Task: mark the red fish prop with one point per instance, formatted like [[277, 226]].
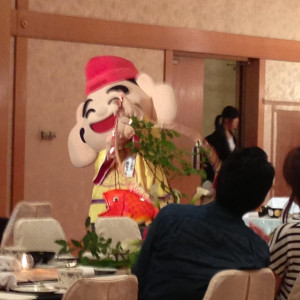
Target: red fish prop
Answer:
[[129, 204]]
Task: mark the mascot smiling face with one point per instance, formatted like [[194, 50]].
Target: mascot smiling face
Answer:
[[115, 89], [99, 112]]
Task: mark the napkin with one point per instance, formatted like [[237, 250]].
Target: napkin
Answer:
[[87, 271], [8, 280], [9, 263]]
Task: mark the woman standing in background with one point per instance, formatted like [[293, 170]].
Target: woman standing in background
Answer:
[[223, 139]]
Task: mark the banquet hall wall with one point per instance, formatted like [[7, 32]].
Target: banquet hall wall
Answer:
[[53, 92]]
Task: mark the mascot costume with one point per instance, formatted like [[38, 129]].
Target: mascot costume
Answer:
[[116, 92]]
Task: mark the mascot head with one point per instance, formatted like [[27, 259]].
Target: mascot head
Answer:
[[108, 80]]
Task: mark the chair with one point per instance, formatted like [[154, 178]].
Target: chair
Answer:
[[295, 292], [117, 228], [119, 287], [24, 209], [38, 234], [241, 285]]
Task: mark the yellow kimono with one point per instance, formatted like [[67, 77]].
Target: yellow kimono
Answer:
[[113, 179]]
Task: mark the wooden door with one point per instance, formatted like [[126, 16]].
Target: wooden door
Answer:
[[288, 128], [186, 75]]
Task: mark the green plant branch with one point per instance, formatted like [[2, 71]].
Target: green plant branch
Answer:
[[101, 249], [161, 152], [168, 190]]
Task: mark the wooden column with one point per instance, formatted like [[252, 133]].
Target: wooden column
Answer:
[[5, 112], [253, 109], [19, 124]]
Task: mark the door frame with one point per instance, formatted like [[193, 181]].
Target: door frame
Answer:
[[250, 92]]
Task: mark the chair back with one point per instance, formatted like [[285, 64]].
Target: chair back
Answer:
[[24, 209], [119, 287], [38, 234], [117, 228], [261, 284], [241, 285], [295, 292]]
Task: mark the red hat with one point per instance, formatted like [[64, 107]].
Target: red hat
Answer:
[[102, 70]]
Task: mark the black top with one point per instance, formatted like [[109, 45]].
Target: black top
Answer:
[[186, 245], [219, 141]]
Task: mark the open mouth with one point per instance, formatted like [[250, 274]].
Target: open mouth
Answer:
[[104, 125]]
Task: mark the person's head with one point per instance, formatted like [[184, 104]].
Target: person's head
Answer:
[[244, 180], [229, 118], [291, 174]]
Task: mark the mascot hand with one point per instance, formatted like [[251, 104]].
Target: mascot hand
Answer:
[[163, 98], [80, 153], [123, 133], [130, 110]]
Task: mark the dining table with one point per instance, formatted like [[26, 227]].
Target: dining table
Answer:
[[266, 223], [36, 283], [41, 282]]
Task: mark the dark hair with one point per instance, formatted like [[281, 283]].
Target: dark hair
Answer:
[[244, 180], [229, 112], [291, 174]]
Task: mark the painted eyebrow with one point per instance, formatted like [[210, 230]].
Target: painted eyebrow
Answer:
[[122, 88], [84, 109]]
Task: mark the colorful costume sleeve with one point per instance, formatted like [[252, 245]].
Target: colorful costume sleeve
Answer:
[[212, 156], [210, 153]]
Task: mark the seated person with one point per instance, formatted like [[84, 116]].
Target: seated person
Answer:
[[285, 243], [187, 245]]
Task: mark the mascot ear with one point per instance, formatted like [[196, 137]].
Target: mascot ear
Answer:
[[163, 98], [80, 153]]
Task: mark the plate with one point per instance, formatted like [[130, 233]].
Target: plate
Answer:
[[104, 271], [57, 286], [34, 289], [65, 257]]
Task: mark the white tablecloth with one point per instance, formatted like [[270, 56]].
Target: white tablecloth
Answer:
[[16, 296], [266, 223]]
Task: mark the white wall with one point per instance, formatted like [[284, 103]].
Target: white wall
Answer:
[[219, 90]]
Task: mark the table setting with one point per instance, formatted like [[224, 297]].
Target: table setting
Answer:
[[23, 276], [30, 275], [27, 276], [41, 263], [269, 216]]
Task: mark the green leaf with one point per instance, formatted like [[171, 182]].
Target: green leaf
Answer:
[[63, 251], [61, 242], [76, 243], [176, 133], [87, 222], [85, 260]]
